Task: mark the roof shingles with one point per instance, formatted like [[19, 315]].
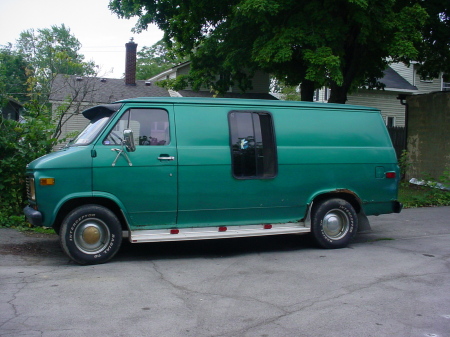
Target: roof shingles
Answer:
[[98, 90]]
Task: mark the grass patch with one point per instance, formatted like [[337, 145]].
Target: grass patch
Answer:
[[422, 196], [40, 230]]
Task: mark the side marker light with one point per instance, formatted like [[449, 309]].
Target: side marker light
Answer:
[[47, 181]]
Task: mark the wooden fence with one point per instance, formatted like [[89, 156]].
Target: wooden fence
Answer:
[[398, 137]]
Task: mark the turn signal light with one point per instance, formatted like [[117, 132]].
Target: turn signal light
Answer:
[[390, 175], [47, 181]]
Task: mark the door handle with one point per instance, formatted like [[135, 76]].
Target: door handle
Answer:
[[165, 157]]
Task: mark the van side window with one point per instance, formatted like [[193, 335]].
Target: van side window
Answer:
[[252, 141], [150, 127]]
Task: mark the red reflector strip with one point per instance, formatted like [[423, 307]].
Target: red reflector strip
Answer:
[[267, 226], [222, 229], [390, 175], [174, 231]]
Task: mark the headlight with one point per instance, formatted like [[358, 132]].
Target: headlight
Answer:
[[31, 190]]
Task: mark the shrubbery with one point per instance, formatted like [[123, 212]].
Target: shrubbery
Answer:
[[430, 193], [20, 143]]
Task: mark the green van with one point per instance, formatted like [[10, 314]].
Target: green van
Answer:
[[170, 169]]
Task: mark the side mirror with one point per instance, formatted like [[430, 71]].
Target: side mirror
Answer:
[[128, 140]]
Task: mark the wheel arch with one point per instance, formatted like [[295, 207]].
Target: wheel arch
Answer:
[[73, 203], [347, 195]]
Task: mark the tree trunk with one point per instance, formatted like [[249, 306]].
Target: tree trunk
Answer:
[[307, 90], [338, 94]]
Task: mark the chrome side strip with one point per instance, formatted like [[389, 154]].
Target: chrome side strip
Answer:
[[205, 233]]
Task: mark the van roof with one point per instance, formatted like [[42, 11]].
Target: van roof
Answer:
[[245, 102]]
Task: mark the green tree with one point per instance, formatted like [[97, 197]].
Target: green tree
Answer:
[[49, 52], [154, 60], [342, 44], [53, 51], [434, 49], [20, 143], [14, 72]]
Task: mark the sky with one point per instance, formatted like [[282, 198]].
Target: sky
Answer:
[[102, 34]]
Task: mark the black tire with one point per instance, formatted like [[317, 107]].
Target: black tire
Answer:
[[334, 223], [90, 234]]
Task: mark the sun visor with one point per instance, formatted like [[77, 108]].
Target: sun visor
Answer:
[[99, 111]]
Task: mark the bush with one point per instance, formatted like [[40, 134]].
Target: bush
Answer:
[[431, 193], [20, 143]]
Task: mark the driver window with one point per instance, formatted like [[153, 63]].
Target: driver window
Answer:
[[150, 127]]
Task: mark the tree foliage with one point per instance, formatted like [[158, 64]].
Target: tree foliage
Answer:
[[20, 143], [341, 44], [14, 71], [154, 60], [49, 52], [434, 50], [53, 51]]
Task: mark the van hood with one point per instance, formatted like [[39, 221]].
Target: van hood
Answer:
[[72, 157]]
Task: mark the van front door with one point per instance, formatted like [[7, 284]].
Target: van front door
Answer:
[[143, 182]]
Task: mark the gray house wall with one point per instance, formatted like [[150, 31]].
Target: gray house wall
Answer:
[[410, 74], [386, 101]]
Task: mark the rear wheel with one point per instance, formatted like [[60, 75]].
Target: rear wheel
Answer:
[[334, 223], [91, 234]]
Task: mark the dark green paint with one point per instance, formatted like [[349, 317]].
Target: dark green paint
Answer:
[[321, 148]]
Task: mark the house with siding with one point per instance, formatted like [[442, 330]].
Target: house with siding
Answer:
[[73, 94], [399, 79]]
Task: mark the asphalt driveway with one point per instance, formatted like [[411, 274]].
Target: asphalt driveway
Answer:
[[392, 281]]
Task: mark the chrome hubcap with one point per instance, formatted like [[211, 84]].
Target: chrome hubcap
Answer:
[[91, 236], [336, 224]]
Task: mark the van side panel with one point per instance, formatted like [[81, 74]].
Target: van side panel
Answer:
[[320, 150], [338, 150], [208, 192]]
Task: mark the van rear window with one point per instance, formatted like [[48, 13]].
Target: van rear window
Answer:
[[252, 142]]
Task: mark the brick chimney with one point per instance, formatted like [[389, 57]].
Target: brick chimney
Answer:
[[130, 63]]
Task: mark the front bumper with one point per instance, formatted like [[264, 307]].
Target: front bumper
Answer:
[[33, 217]]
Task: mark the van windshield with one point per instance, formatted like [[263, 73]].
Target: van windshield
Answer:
[[90, 132]]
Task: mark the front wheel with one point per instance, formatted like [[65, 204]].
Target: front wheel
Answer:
[[91, 234], [334, 223]]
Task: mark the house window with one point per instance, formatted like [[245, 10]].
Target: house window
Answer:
[[390, 121], [252, 143]]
